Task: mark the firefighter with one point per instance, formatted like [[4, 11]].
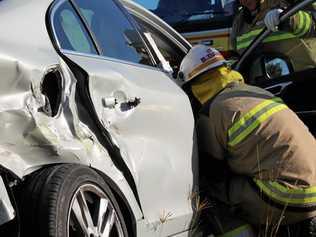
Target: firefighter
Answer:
[[295, 36], [270, 152]]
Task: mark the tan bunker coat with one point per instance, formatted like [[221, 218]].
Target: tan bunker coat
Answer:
[[269, 149]]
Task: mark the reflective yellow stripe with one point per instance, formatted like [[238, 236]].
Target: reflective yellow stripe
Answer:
[[282, 188], [242, 231], [304, 23], [286, 195], [243, 45], [252, 112], [243, 42], [301, 22], [256, 123], [250, 34], [252, 119], [279, 36], [307, 25]]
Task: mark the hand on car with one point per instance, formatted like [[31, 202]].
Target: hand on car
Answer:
[[272, 19]]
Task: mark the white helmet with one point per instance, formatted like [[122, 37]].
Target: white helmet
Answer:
[[199, 59]]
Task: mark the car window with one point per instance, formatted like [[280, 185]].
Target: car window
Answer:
[[170, 51], [115, 35], [69, 30]]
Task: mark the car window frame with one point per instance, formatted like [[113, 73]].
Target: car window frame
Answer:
[[168, 39], [143, 15], [157, 25], [52, 30], [56, 42], [159, 29]]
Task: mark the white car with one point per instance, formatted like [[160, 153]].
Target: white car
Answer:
[[97, 136], [97, 139]]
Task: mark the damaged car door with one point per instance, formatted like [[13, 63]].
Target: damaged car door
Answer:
[[148, 117]]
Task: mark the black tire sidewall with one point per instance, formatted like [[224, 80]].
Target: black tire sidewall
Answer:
[[67, 180]]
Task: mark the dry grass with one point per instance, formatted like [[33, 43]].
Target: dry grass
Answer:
[[165, 216], [198, 206]]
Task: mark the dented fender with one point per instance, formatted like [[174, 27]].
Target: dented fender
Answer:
[[40, 129]]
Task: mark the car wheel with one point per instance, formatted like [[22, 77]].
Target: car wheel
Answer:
[[69, 201]]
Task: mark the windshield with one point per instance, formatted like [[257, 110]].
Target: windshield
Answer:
[[181, 11]]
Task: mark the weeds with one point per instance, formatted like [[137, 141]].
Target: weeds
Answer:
[[198, 206], [165, 216]]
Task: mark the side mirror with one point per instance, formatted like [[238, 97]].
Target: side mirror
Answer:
[[275, 67], [264, 68]]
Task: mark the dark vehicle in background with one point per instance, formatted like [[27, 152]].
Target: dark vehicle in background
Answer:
[[205, 21]]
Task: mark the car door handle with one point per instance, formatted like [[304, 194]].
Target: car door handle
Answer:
[[130, 103], [133, 102], [111, 102]]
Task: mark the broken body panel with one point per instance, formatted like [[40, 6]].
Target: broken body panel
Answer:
[[155, 139]]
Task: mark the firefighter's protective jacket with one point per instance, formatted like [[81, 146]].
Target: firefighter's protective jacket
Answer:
[[295, 38], [261, 138]]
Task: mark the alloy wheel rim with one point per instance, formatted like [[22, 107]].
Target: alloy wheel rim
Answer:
[[91, 214]]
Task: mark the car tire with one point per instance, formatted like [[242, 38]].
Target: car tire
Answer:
[[69, 201]]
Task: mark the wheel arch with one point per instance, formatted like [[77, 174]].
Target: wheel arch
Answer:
[[24, 166], [125, 208]]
